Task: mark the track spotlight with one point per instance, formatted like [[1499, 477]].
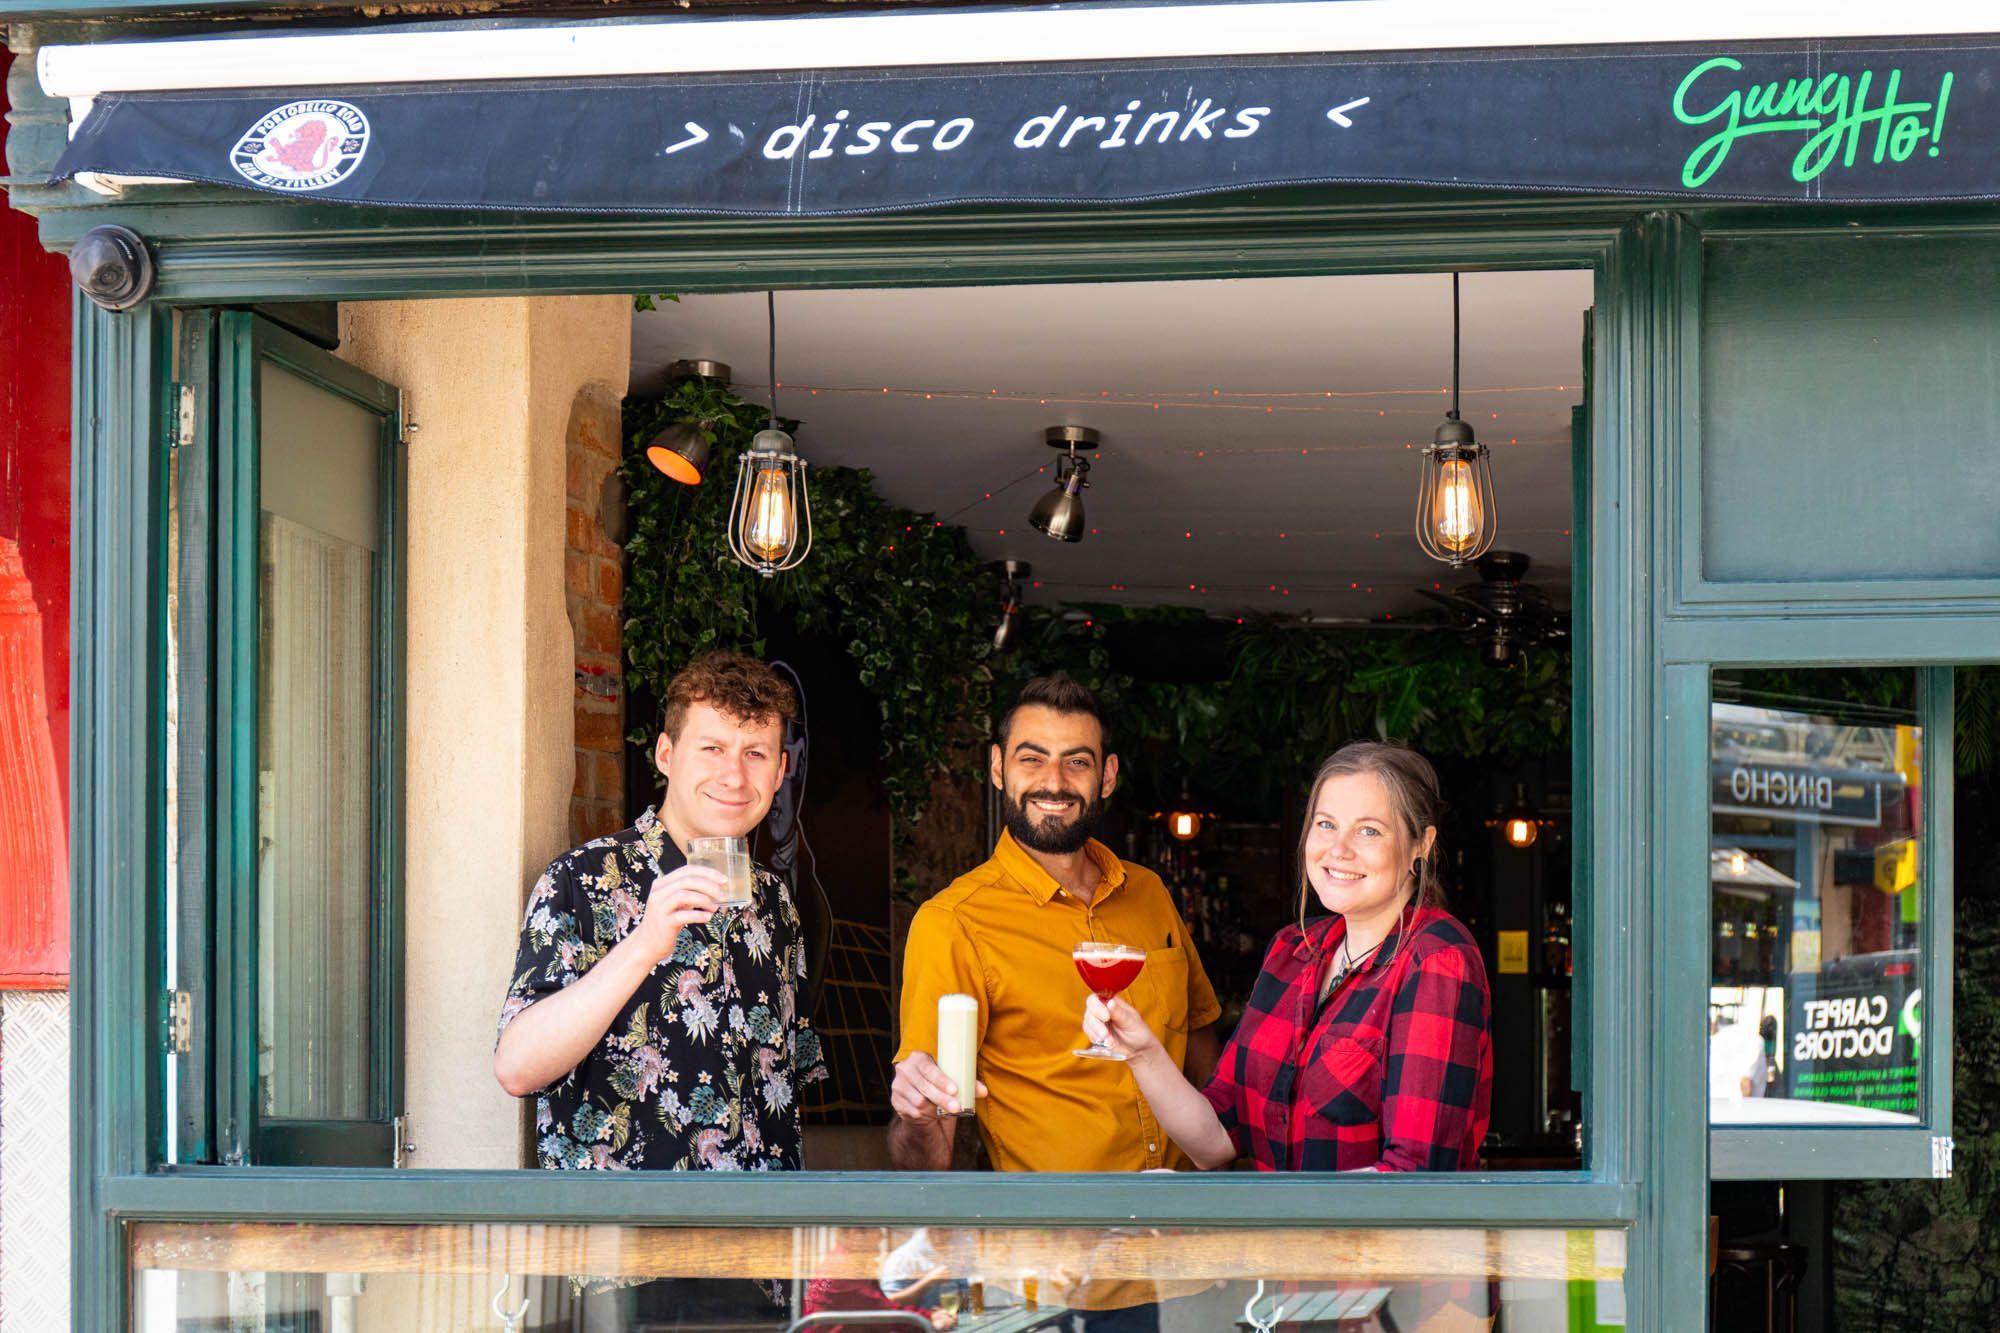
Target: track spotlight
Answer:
[[1060, 512], [1008, 628], [681, 450]]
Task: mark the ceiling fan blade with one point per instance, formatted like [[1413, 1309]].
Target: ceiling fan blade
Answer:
[[1502, 567], [1459, 605]]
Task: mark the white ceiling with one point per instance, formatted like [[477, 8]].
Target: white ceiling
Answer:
[[1277, 421]]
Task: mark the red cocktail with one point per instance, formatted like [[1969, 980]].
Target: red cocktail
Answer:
[[1108, 974], [1107, 969]]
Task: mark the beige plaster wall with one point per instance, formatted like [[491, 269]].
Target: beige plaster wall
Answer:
[[490, 677]]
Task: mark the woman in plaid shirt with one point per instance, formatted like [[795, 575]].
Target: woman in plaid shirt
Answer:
[[1366, 1042]]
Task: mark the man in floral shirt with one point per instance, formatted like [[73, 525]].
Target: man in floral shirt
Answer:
[[657, 1031]]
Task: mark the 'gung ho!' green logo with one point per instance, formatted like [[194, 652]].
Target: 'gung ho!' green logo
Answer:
[[1831, 110]]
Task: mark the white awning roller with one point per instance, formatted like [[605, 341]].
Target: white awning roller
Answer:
[[531, 50]]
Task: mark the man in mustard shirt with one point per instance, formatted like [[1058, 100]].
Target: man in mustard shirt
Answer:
[[1003, 934]]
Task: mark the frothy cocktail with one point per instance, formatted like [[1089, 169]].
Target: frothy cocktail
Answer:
[[1107, 969]]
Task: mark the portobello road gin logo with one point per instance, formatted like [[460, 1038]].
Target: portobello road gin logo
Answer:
[[302, 146], [1833, 111]]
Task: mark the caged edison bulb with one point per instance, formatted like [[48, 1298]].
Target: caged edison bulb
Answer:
[[1456, 512], [770, 525]]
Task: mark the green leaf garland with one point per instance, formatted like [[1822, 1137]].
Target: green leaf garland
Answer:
[[904, 592]]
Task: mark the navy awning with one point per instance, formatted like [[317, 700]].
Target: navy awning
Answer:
[[1801, 122]]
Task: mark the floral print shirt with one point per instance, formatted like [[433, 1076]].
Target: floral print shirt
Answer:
[[701, 1068]]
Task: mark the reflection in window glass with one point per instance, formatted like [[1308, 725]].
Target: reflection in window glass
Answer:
[[1816, 897], [265, 1276]]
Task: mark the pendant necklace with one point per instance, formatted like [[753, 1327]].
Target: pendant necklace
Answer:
[[1346, 963]]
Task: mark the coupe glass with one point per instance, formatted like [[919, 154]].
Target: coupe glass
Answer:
[[1107, 969]]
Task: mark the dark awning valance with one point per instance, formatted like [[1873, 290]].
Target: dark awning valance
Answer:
[[1806, 122]]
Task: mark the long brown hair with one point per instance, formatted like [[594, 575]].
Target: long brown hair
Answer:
[[1412, 785]]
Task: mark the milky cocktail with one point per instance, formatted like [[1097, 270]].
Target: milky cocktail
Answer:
[[1107, 969], [958, 1048]]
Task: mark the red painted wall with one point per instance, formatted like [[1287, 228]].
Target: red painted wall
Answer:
[[34, 602]]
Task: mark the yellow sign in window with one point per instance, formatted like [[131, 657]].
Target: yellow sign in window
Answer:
[[1896, 865]]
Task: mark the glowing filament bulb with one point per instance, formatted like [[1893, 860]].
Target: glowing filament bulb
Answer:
[[1522, 832], [770, 525], [1457, 516]]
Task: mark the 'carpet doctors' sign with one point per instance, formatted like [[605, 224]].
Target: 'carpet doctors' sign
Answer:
[[1854, 1036], [1803, 122]]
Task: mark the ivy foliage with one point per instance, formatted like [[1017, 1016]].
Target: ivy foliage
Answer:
[[1920, 1254], [1976, 701], [902, 592]]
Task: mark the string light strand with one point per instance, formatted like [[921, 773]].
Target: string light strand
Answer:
[[1323, 402]]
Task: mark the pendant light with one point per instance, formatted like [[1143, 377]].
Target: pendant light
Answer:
[[1521, 827], [770, 520], [1008, 628], [681, 450], [1457, 513], [1518, 823], [1184, 822], [1060, 513]]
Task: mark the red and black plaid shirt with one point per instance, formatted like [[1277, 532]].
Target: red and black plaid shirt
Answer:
[[1394, 1071]]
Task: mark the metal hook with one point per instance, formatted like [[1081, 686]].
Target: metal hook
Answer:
[[510, 1322], [1250, 1311]]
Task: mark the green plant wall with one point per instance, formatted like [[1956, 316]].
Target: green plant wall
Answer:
[[902, 592], [1287, 696], [915, 610]]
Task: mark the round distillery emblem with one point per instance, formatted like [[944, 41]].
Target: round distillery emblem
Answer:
[[302, 146]]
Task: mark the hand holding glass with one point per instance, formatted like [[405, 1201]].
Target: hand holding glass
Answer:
[[1107, 969], [730, 857]]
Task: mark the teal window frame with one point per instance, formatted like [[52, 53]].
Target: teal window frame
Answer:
[[1831, 1152], [1647, 1160], [1931, 625], [220, 357], [1694, 592]]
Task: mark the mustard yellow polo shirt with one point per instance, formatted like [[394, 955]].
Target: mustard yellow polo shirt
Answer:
[[1003, 934]]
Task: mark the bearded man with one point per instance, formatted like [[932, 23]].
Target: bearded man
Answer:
[[1003, 935]]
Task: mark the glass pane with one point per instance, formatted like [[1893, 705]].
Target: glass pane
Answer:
[[1817, 891], [259, 1276], [315, 744]]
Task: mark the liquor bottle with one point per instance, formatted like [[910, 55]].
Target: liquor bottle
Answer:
[[1555, 941]]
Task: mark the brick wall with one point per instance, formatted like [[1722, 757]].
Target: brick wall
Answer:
[[951, 837], [948, 841], [595, 575]]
